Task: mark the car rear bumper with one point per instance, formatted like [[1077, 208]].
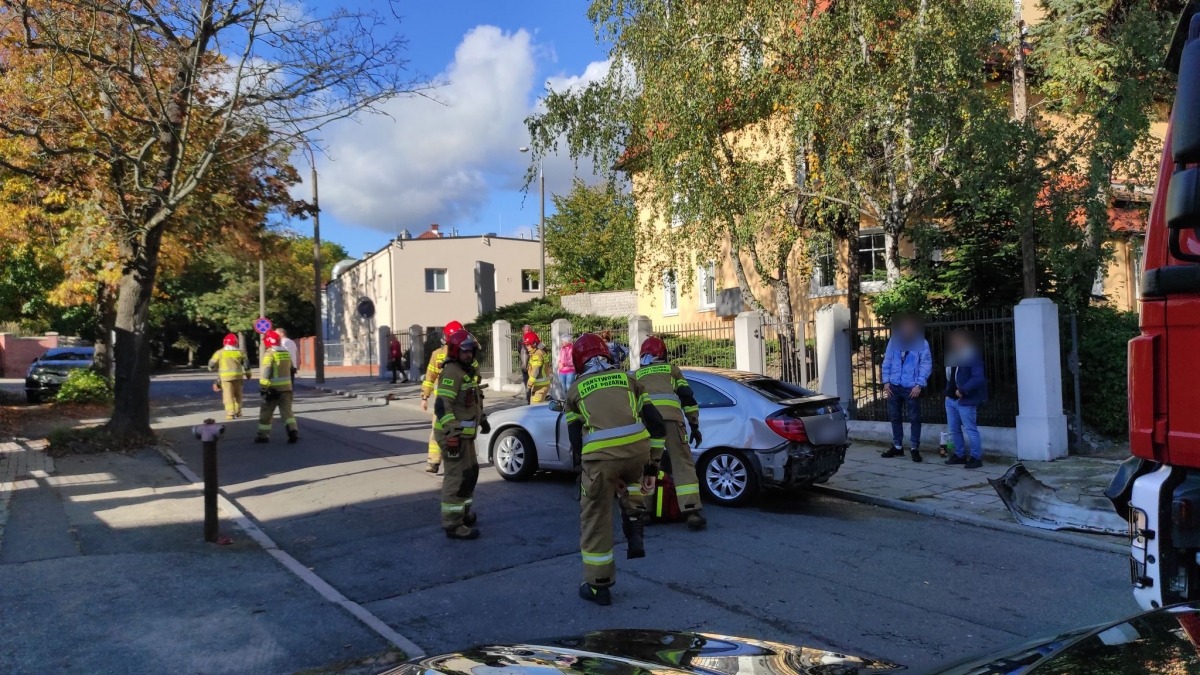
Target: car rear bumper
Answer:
[[800, 464]]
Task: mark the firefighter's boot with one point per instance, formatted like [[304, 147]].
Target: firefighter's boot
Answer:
[[696, 520], [597, 594], [293, 436], [432, 467], [462, 532]]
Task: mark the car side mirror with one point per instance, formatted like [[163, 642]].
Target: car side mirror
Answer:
[[557, 406]]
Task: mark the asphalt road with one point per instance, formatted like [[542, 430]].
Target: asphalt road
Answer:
[[352, 502]]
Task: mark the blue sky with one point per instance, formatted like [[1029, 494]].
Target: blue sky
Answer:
[[455, 162]]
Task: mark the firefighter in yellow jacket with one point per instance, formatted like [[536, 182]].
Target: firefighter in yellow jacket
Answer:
[[538, 371], [671, 394], [429, 385], [458, 412], [610, 423], [230, 364], [275, 378]]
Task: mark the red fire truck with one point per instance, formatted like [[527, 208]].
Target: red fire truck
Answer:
[[1158, 489]]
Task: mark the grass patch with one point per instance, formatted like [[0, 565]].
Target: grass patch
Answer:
[[66, 441], [368, 665]]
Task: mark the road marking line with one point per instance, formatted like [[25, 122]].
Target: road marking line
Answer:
[[309, 577]]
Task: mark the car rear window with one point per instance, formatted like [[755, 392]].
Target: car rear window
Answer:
[[707, 397], [777, 390], [66, 356]]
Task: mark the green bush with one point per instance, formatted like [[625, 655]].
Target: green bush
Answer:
[[1104, 334], [909, 295], [84, 386]]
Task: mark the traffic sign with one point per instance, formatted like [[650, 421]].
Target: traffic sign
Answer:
[[262, 325]]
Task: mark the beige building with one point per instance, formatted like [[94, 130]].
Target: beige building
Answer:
[[428, 281]]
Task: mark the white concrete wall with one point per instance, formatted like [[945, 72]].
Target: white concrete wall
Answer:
[[617, 304]]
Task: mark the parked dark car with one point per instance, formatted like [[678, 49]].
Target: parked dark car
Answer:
[[1162, 641], [50, 370]]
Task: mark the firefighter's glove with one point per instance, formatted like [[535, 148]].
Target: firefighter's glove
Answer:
[[265, 393], [695, 438], [453, 447], [484, 425]]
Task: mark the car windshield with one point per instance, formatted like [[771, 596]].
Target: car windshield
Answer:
[[776, 390], [66, 356]]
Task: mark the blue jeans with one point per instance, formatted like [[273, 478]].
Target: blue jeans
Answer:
[[567, 380], [897, 403], [961, 420]]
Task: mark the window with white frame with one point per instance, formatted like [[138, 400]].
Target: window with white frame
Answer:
[[531, 281], [436, 281], [824, 260], [706, 281], [670, 293], [872, 257]]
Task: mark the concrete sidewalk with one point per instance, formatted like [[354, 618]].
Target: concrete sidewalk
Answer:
[[964, 495], [106, 570]]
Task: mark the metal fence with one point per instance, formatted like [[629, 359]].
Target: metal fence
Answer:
[[700, 344], [514, 352], [994, 331], [335, 354], [789, 355]]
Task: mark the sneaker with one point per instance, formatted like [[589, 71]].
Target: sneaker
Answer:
[[696, 521], [261, 439], [432, 467], [973, 464], [957, 459], [595, 594], [894, 452], [916, 456], [462, 532]]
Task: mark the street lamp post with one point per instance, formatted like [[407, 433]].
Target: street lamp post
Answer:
[[319, 329], [541, 226]]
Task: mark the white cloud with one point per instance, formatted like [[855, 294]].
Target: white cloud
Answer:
[[439, 161]]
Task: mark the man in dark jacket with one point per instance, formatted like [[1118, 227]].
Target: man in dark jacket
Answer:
[[966, 390]]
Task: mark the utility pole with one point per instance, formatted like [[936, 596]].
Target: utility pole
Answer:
[[1021, 115], [262, 303], [542, 232], [319, 328]]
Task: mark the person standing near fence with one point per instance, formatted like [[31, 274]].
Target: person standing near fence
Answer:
[[523, 357], [396, 359], [538, 375], [907, 364], [619, 353], [966, 390], [293, 352], [566, 365]]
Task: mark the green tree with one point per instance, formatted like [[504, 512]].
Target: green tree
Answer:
[[591, 240]]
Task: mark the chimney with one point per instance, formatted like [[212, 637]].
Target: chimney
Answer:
[[405, 234], [434, 229]]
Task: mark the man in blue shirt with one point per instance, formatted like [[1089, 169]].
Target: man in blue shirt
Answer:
[[906, 368]]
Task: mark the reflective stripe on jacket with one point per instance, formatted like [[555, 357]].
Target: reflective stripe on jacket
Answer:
[[277, 370], [436, 359], [230, 364], [609, 405], [539, 368], [669, 392], [459, 405]]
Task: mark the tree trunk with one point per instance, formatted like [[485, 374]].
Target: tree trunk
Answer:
[[891, 249], [786, 330], [1021, 115], [131, 388], [853, 278], [102, 361]]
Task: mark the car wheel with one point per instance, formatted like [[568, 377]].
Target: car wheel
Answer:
[[728, 478], [514, 455]]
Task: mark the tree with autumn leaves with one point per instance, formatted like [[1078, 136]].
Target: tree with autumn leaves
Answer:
[[139, 111]]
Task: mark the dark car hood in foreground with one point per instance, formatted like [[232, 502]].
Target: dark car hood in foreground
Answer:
[[620, 652]]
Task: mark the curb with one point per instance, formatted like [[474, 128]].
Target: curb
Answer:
[[977, 521]]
